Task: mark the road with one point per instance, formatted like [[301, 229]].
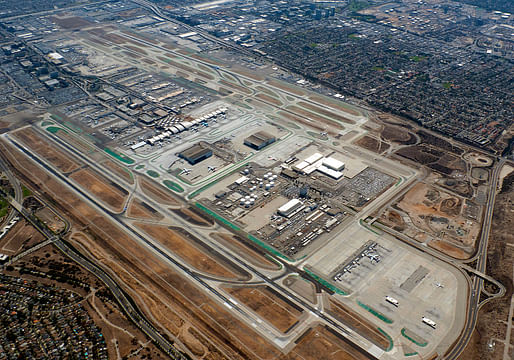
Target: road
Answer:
[[474, 303], [126, 304]]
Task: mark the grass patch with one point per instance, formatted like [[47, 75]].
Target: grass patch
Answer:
[[46, 123], [153, 174], [391, 343], [356, 5], [447, 85], [375, 313], [173, 186], [4, 207], [55, 129], [421, 344], [139, 167], [377, 68], [25, 191], [418, 58], [122, 158]]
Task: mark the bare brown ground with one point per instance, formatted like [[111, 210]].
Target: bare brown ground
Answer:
[[157, 192], [186, 68], [20, 237], [78, 144], [119, 170], [372, 144], [238, 88], [358, 323], [72, 22], [131, 54], [333, 105], [247, 253], [267, 91], [205, 59], [137, 209], [249, 74], [100, 187], [286, 87], [53, 222], [318, 118], [396, 134], [271, 308], [449, 249], [157, 289], [269, 99], [182, 247], [136, 49], [325, 112], [321, 344], [139, 36], [191, 215], [53, 155]]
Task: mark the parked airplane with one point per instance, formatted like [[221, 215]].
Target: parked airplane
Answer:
[[211, 168], [185, 171]]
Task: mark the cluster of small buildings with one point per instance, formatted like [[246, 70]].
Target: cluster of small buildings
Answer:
[[317, 162], [38, 321]]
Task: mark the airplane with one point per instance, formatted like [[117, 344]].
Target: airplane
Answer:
[[439, 285], [211, 168], [323, 133], [185, 171], [375, 258]]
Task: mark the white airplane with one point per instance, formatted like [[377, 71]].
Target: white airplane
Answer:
[[375, 258], [439, 285], [211, 168], [185, 171]]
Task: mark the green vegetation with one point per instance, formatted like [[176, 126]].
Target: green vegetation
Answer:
[[418, 58], [26, 192], [139, 167], [122, 158], [313, 45], [153, 174], [72, 127], [357, 5], [413, 340], [56, 117], [447, 85], [411, 354], [55, 129], [325, 282], [391, 344], [354, 36], [269, 248], [46, 123], [4, 207], [173, 186], [375, 313], [377, 68]]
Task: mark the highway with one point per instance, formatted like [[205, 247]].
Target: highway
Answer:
[[474, 302]]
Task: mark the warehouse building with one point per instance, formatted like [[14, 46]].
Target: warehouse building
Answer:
[[259, 140], [195, 154], [290, 208]]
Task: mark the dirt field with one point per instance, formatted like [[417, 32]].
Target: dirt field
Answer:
[[52, 221], [139, 209], [249, 254], [119, 170], [101, 188], [439, 214], [269, 99], [397, 134], [302, 287], [20, 237], [238, 88], [157, 192], [72, 22], [372, 144], [34, 141], [359, 324], [268, 305], [493, 317], [192, 215], [182, 247], [321, 344], [296, 119]]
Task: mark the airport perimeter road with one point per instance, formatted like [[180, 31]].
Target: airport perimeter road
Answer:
[[116, 290], [18, 193], [474, 303]]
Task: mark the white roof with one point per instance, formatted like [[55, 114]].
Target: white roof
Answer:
[[55, 56], [301, 166], [241, 180], [289, 205], [332, 173], [313, 158], [333, 163]]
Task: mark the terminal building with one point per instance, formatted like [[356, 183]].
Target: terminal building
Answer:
[[259, 140], [195, 154]]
